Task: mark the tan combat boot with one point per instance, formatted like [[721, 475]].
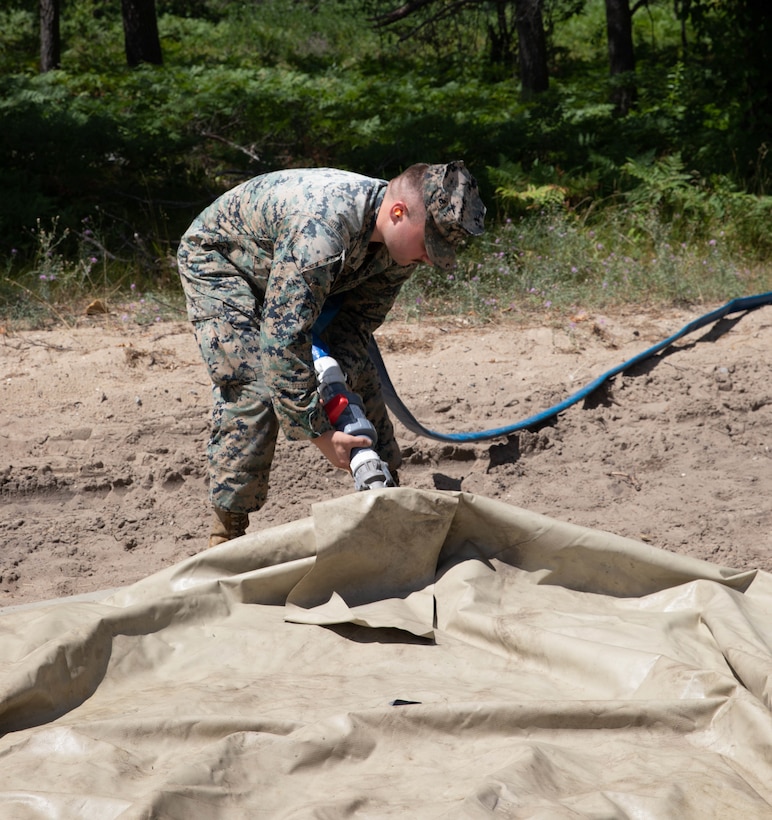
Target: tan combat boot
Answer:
[[226, 525]]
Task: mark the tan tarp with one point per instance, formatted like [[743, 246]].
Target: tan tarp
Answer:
[[397, 654]]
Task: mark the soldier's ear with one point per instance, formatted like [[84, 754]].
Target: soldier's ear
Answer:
[[398, 211]]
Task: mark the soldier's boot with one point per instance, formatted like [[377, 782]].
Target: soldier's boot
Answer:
[[227, 525]]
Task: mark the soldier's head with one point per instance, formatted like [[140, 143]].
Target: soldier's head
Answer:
[[427, 212]]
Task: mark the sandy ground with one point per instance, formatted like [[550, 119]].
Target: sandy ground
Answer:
[[103, 430]]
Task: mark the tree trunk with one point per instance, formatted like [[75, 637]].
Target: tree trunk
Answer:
[[532, 47], [501, 36], [619, 27], [140, 32], [755, 17], [50, 39]]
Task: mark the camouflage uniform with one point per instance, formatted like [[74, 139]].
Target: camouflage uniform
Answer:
[[257, 266]]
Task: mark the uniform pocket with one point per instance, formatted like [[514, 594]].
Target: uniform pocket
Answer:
[[231, 353]]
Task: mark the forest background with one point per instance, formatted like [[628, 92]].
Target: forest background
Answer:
[[622, 148]]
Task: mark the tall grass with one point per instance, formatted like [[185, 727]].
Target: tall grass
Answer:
[[555, 263], [549, 264], [73, 276]]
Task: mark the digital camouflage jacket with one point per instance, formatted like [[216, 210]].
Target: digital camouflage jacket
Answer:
[[270, 252]]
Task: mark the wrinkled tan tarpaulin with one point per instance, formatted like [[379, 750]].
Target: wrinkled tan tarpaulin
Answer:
[[562, 672]]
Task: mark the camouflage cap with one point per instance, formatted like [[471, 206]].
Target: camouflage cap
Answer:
[[454, 211]]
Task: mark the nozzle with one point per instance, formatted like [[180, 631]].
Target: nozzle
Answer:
[[369, 471]]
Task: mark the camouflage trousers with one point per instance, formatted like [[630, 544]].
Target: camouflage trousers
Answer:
[[244, 427]]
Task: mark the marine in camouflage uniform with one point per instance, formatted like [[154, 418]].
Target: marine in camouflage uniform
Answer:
[[257, 267]]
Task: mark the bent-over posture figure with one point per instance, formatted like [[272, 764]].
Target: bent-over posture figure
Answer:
[[257, 267]]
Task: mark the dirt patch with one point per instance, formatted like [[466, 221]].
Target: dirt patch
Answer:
[[103, 430]]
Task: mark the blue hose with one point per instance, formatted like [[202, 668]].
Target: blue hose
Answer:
[[397, 407]]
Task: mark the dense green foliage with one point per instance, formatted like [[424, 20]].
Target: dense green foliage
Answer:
[[102, 166]]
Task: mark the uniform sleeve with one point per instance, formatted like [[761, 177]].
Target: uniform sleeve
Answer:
[[306, 260]]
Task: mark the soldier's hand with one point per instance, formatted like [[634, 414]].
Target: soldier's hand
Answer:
[[337, 446]]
